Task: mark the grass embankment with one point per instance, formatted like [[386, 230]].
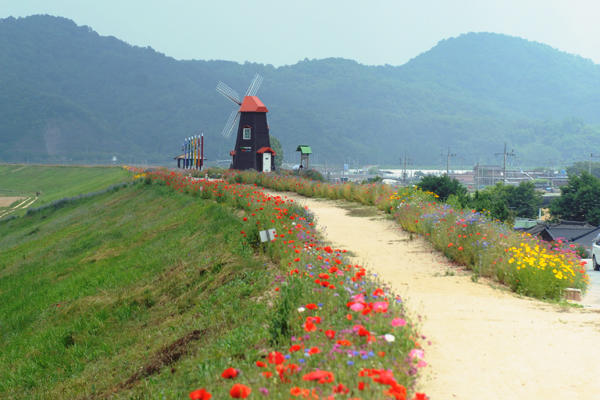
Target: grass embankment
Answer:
[[149, 292], [55, 182], [489, 248]]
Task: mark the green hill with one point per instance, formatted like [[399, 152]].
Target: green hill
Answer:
[[93, 291], [67, 93]]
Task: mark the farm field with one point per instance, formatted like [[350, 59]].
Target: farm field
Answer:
[[54, 182]]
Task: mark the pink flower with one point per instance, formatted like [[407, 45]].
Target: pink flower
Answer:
[[398, 322], [359, 298], [380, 306], [357, 307], [416, 353]]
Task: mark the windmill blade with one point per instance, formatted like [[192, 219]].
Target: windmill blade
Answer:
[[229, 93], [230, 123], [254, 85]]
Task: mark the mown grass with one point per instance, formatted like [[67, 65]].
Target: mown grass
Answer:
[[56, 182], [96, 296]]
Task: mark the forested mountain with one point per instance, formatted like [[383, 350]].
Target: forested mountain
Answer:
[[67, 92]]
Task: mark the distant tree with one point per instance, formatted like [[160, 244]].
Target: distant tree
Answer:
[[278, 149], [579, 200], [443, 186], [373, 170], [581, 166], [419, 174], [522, 200]]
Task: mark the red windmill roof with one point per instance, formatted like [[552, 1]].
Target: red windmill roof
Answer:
[[253, 104]]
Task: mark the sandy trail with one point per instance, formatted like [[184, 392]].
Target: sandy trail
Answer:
[[487, 343]]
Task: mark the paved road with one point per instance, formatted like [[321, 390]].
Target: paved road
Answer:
[[592, 298]]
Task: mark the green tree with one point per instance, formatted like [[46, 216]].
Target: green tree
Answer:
[[278, 149], [581, 166], [523, 200], [579, 200], [443, 186]]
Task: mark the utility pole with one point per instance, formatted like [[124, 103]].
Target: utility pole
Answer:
[[448, 160], [405, 161], [590, 165], [505, 154]]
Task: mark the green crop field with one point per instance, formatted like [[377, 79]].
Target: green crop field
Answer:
[[100, 295], [56, 182]]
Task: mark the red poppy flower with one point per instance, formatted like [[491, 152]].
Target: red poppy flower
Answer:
[[333, 270], [310, 327], [295, 391], [267, 374], [330, 334], [320, 376], [245, 218], [276, 357], [363, 332], [340, 389], [229, 373], [328, 249], [420, 396], [311, 306], [295, 348], [397, 391], [296, 259], [385, 378], [239, 391], [361, 385], [260, 364], [200, 394], [314, 350], [378, 292]]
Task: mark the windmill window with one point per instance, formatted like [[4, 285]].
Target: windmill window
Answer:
[[246, 133]]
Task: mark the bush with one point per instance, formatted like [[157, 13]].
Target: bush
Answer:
[[443, 186]]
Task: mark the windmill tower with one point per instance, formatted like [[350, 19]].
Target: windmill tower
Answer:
[[252, 145]]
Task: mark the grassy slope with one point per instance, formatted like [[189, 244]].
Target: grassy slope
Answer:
[[93, 294], [56, 182]]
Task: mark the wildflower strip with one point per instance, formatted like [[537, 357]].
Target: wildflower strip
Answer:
[[336, 330]]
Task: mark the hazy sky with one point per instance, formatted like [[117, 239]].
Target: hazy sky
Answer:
[[283, 32]]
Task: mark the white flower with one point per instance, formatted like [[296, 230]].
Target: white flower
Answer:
[[301, 309], [389, 338]]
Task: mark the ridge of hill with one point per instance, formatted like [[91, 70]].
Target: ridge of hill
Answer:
[[68, 93]]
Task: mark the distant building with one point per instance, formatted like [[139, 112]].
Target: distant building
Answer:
[[566, 231]]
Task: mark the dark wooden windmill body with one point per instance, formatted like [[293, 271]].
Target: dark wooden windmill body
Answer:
[[253, 145]]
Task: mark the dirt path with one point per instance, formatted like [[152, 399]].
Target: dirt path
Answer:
[[487, 343]]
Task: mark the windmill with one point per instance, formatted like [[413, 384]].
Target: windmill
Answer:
[[252, 145]]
